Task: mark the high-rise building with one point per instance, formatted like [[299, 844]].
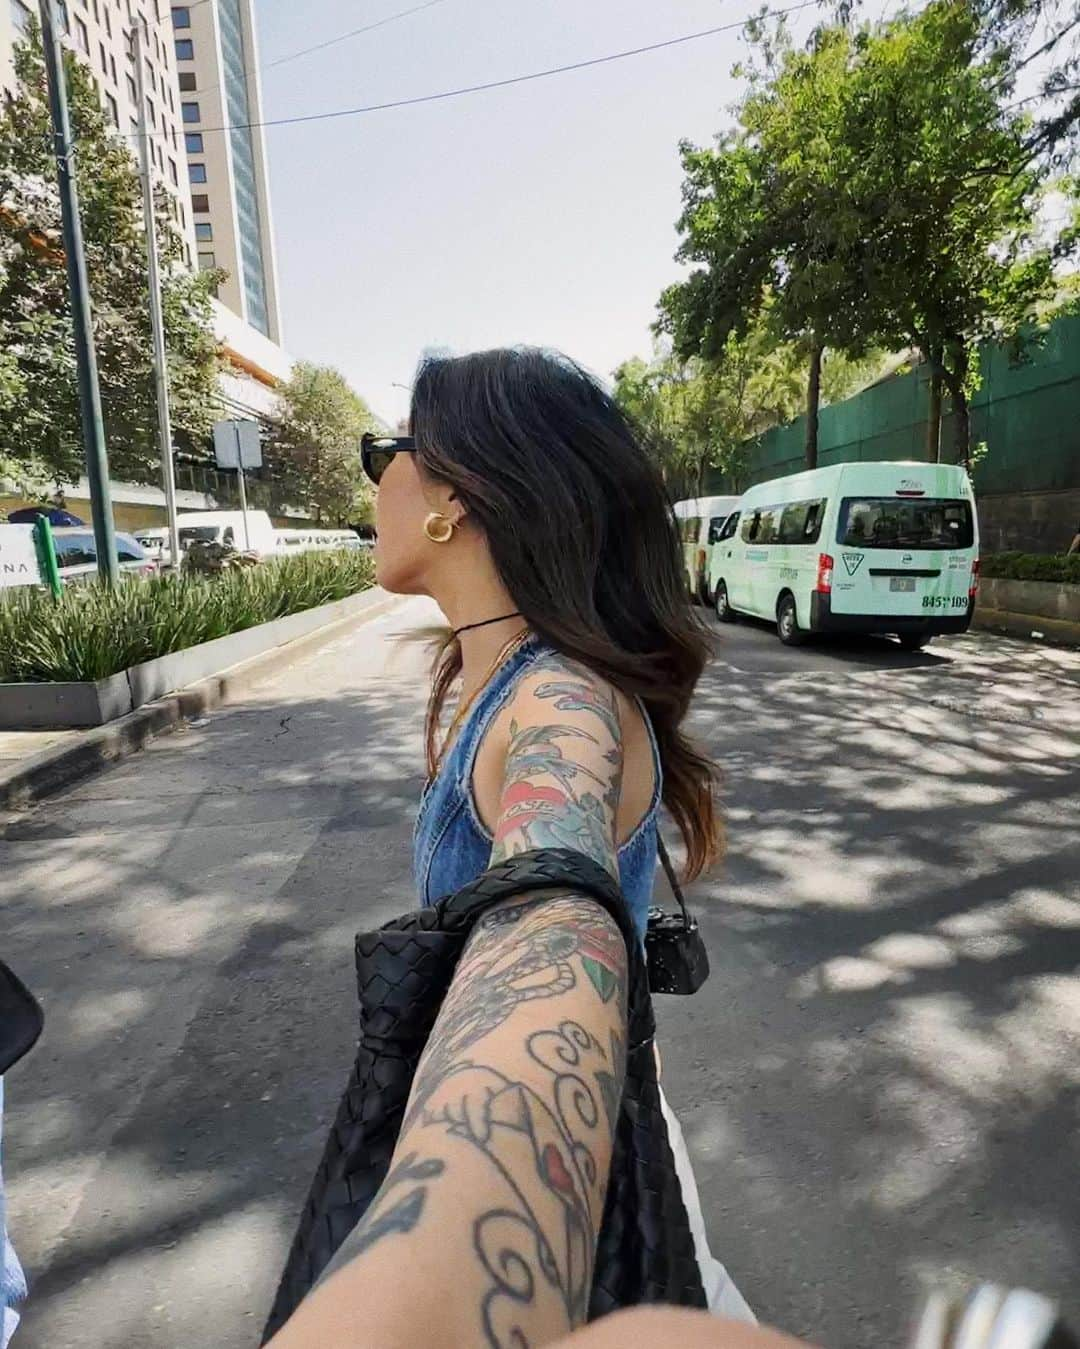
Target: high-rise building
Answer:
[[99, 31], [221, 109]]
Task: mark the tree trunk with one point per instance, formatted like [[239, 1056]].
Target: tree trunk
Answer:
[[955, 379], [813, 402], [933, 414]]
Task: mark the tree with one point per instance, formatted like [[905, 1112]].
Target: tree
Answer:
[[40, 435], [766, 219], [879, 190], [314, 445], [948, 195], [700, 415]]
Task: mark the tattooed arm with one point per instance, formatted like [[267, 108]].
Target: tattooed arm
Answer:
[[563, 770], [484, 1232]]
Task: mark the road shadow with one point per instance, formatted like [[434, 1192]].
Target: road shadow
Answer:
[[880, 1081]]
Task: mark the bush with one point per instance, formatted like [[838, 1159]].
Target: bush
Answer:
[[92, 632], [1032, 567]]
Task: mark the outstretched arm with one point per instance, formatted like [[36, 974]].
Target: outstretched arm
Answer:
[[484, 1232]]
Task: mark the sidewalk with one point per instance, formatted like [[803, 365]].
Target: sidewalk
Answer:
[[35, 764]]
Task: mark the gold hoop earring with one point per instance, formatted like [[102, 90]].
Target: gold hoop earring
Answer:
[[439, 533]]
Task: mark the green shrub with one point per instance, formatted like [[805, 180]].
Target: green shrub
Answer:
[[1032, 567], [92, 632]]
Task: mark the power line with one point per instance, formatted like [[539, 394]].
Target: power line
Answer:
[[355, 32], [514, 79], [249, 71]]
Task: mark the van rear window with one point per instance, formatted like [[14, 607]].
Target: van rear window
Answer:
[[892, 522]]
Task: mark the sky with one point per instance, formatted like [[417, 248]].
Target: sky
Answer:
[[542, 213]]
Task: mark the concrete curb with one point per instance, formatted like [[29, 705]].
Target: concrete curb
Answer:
[[1023, 625], [40, 775]]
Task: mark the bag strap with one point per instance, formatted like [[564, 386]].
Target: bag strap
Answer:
[[673, 880], [558, 869]]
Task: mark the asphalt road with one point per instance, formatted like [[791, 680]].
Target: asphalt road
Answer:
[[880, 1081]]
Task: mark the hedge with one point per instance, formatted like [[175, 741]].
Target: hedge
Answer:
[[1032, 567], [92, 632]]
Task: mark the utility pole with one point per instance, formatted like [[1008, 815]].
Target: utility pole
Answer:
[[93, 428], [157, 320]]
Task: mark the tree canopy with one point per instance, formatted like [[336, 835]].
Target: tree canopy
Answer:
[[313, 448], [40, 436]]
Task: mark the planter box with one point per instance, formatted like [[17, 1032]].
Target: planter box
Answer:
[[1055, 600], [60, 706]]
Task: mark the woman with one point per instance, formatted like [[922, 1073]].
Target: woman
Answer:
[[523, 504]]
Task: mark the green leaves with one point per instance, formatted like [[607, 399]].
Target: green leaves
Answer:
[[315, 446], [40, 435]]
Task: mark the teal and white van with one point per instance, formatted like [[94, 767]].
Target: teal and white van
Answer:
[[860, 548], [700, 520]]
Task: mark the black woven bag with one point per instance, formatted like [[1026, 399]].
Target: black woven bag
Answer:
[[645, 1250]]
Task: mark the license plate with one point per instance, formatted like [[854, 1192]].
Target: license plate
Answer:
[[904, 583]]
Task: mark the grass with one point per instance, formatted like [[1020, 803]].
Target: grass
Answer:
[[1032, 567], [92, 632]]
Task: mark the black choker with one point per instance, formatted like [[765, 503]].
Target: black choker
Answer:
[[470, 627]]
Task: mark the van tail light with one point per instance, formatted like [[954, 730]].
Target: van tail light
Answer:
[[973, 584], [701, 559], [824, 574]]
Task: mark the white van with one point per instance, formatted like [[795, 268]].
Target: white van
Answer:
[[700, 521], [866, 548], [228, 527]]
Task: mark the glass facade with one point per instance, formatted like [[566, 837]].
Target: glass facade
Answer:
[[249, 224]]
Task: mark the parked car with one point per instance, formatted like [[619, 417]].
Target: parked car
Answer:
[[887, 548], [76, 555]]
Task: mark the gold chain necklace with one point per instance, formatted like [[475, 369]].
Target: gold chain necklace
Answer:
[[507, 650]]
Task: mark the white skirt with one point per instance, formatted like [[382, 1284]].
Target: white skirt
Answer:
[[723, 1298]]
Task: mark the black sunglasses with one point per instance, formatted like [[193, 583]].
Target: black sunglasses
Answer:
[[376, 452]]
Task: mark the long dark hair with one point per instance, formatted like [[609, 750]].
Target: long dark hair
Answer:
[[582, 534]]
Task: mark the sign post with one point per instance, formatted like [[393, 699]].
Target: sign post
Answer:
[[237, 444], [46, 552]]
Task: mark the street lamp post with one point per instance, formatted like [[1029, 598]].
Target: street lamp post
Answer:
[[93, 428]]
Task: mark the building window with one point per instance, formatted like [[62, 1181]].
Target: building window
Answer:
[[186, 82], [207, 261], [104, 58], [197, 173], [108, 21], [97, 12], [185, 49], [134, 127], [189, 112], [133, 93], [152, 111], [114, 114], [82, 37], [193, 142], [150, 81], [112, 66], [200, 203], [181, 16], [173, 178], [183, 225], [204, 231]]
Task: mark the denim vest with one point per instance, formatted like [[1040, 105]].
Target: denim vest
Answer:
[[450, 844]]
